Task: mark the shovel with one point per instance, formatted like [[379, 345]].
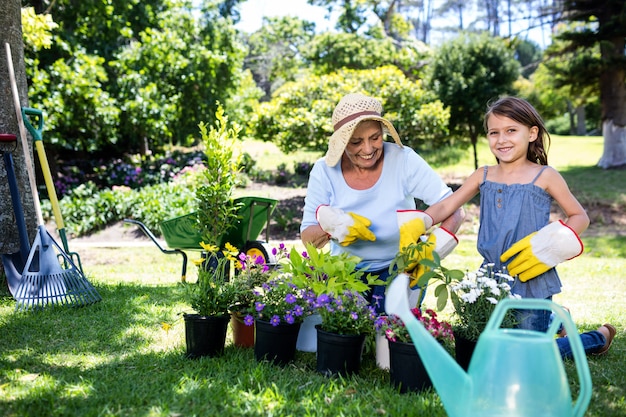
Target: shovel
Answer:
[[45, 169]]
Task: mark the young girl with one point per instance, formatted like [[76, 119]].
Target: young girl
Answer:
[[515, 198]]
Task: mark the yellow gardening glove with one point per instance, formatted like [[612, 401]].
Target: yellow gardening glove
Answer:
[[543, 250], [440, 241], [412, 225], [345, 228]]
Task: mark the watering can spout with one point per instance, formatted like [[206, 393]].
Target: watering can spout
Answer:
[[451, 382]]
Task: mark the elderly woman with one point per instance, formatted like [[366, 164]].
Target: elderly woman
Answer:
[[361, 195]]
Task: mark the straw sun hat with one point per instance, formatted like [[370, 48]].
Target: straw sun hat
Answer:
[[352, 110]]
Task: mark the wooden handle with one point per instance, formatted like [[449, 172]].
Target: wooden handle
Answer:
[[22, 128]]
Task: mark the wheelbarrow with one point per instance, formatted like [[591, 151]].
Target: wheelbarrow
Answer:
[[181, 233]]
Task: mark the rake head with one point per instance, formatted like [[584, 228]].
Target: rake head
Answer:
[[51, 277]]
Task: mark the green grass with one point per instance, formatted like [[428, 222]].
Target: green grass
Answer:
[[114, 358]]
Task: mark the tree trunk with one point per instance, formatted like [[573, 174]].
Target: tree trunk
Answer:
[[613, 99], [581, 127], [11, 23], [614, 154]]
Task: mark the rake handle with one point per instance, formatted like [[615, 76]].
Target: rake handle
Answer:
[[20, 122]]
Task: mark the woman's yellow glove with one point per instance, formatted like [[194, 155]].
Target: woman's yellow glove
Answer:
[[412, 225], [442, 242], [543, 250], [345, 228]]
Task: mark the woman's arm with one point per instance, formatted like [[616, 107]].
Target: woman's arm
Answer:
[[315, 235]]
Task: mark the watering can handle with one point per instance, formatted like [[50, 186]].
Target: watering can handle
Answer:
[[582, 367], [35, 131]]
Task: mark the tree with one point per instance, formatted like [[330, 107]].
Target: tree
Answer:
[[10, 21], [298, 116], [275, 51], [467, 72], [605, 25]]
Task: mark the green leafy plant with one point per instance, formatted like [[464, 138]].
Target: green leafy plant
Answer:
[[325, 273], [213, 294], [337, 286], [216, 210], [433, 271]]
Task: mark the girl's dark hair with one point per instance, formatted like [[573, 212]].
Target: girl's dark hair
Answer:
[[523, 112]]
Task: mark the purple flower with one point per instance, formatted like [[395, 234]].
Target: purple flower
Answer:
[[259, 306], [248, 320], [290, 298], [289, 318], [275, 320]]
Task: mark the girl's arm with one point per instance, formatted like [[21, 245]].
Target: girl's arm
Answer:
[[577, 217], [445, 208]]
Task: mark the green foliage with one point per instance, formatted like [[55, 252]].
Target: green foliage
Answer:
[[213, 294], [87, 210], [299, 114], [80, 114], [328, 274], [217, 212], [466, 73], [329, 52]]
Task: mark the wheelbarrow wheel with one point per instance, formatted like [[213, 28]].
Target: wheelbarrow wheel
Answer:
[[258, 248]]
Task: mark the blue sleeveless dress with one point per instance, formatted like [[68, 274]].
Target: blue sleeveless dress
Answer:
[[509, 213]]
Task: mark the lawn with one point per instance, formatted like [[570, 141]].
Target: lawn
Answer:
[[115, 358]]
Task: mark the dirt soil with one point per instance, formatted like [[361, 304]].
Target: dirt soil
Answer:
[[285, 222]]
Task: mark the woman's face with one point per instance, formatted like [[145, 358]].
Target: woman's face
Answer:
[[365, 147]]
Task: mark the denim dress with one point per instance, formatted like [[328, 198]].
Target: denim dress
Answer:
[[509, 213]]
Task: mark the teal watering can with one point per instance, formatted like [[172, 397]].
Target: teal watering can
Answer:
[[513, 372]]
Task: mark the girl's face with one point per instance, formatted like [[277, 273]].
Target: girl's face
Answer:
[[508, 139], [365, 147]]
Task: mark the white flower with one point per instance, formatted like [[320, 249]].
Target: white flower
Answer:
[[492, 300]]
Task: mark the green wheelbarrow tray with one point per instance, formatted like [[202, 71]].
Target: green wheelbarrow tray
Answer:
[[253, 214]]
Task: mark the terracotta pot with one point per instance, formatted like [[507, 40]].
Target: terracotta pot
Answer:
[[243, 336]]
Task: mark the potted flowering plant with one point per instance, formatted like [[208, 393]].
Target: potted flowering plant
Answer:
[[278, 310], [394, 330], [475, 298], [210, 297], [406, 369], [332, 276], [251, 271]]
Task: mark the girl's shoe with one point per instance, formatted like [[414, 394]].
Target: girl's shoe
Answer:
[[609, 340]]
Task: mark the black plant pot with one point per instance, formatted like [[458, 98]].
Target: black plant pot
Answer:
[[276, 344], [339, 354], [205, 335], [463, 350], [406, 370]]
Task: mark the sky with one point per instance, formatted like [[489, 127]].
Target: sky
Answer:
[[252, 12]]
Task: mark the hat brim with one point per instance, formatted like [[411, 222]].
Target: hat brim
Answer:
[[339, 139]]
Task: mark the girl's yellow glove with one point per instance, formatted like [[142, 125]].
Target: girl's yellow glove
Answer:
[[542, 250]]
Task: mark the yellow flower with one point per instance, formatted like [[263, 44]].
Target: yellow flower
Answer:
[[209, 248], [198, 261], [166, 326]]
